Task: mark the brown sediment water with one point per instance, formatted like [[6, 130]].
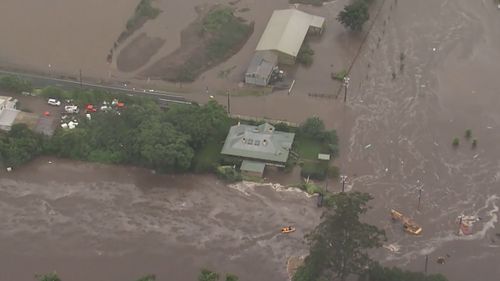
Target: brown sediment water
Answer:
[[89, 221], [396, 138]]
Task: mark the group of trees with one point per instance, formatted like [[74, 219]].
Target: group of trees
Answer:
[[143, 135], [19, 145], [339, 245], [312, 135], [355, 14]]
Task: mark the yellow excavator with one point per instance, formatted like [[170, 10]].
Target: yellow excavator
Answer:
[[408, 225]]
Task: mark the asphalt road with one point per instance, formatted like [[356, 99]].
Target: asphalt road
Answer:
[[43, 81]]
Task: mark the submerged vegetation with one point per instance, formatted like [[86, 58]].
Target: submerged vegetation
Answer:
[[221, 34], [143, 12], [305, 55]]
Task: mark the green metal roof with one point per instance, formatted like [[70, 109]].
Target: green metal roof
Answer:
[[258, 142], [252, 166]]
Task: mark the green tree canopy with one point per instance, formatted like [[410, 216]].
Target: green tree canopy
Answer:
[[354, 15], [201, 123], [313, 127], [162, 147], [380, 273], [19, 145], [208, 275], [340, 242], [48, 277]]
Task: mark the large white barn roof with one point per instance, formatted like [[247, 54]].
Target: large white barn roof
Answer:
[[286, 31]]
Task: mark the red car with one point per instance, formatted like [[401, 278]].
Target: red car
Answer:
[[90, 108]]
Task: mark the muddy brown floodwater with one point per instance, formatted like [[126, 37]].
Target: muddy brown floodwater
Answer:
[[95, 222], [402, 136], [428, 71]]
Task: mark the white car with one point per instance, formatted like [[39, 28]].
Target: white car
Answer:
[[71, 109], [54, 102]]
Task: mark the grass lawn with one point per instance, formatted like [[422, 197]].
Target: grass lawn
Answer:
[[208, 156], [308, 149]]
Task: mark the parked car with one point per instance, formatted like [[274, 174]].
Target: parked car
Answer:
[[73, 109], [89, 108], [54, 102]]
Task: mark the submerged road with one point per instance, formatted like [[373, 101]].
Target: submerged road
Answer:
[[44, 81]]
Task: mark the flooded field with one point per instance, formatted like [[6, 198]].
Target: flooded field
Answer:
[[93, 222]]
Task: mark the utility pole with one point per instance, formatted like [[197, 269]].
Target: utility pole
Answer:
[[326, 184], [346, 85], [459, 225], [426, 262], [343, 179], [228, 103], [81, 82], [419, 196]]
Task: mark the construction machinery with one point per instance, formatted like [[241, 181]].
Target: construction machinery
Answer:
[[408, 225]]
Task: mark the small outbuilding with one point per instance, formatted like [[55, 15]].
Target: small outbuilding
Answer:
[[8, 113], [261, 68], [285, 32]]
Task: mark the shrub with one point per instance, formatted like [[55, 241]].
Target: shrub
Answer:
[[228, 173], [53, 92], [283, 127], [15, 84], [339, 75], [456, 141], [468, 133], [311, 188], [474, 143], [305, 55]]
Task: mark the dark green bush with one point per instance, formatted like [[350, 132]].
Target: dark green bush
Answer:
[[314, 170], [228, 173]]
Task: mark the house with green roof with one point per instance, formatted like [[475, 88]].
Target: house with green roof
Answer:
[[258, 146]]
